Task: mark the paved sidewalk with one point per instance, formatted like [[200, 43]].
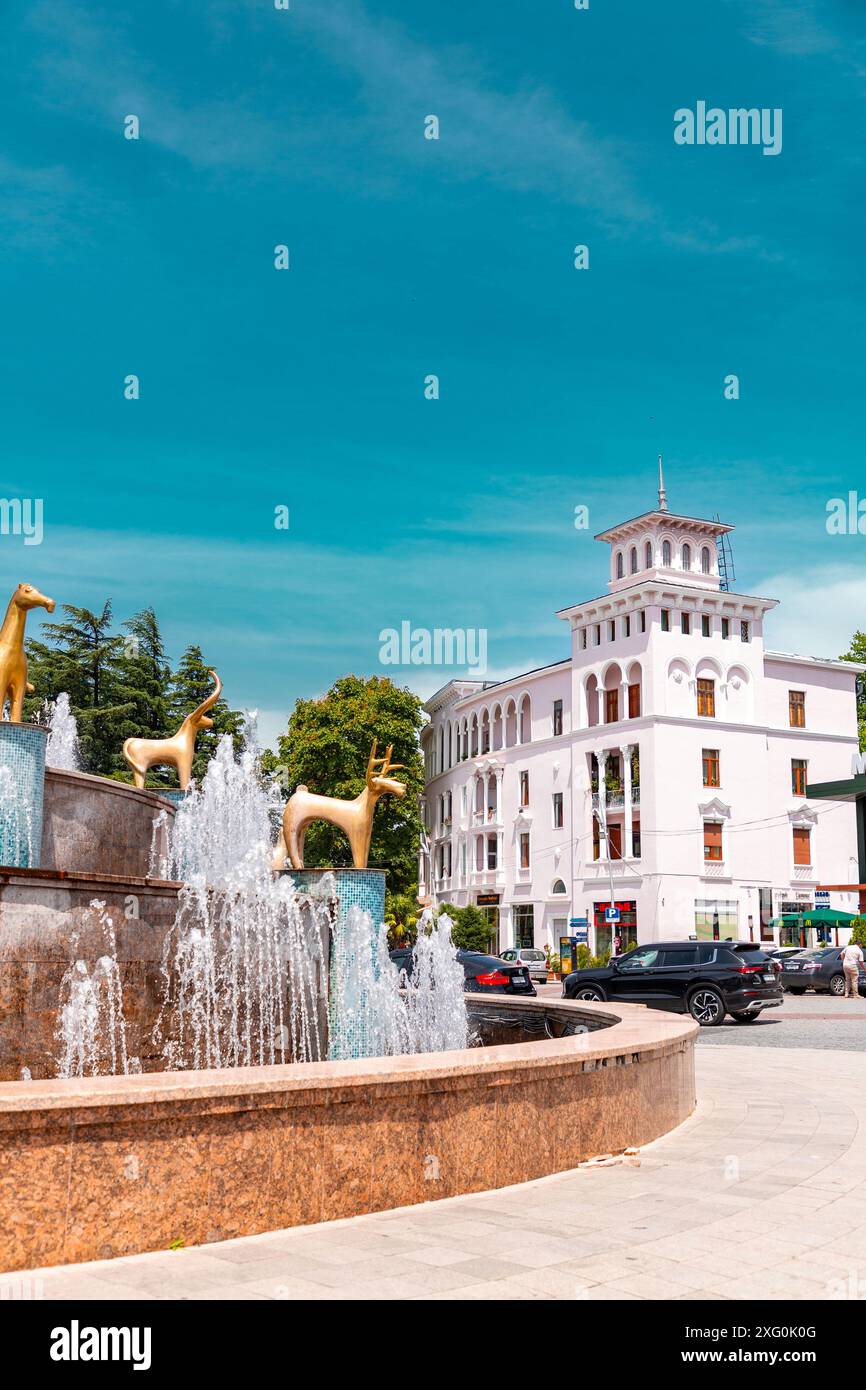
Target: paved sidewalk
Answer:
[[760, 1195]]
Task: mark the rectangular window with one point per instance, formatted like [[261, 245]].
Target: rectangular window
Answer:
[[524, 850], [706, 625], [634, 701], [596, 839], [745, 632], [557, 810], [635, 839], [707, 699], [710, 761], [583, 639], [626, 626], [491, 851], [611, 706], [715, 920], [726, 629], [524, 789], [557, 718], [611, 631], [524, 928], [685, 624], [713, 840], [797, 709], [643, 620], [798, 776], [666, 620], [802, 846], [598, 634]]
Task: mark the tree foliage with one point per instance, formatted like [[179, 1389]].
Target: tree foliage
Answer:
[[326, 748], [857, 652]]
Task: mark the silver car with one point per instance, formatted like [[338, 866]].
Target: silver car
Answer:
[[534, 960]]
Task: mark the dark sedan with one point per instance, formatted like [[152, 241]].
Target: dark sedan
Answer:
[[819, 969], [706, 979], [481, 974]]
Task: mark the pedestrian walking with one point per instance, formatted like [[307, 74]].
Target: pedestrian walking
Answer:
[[852, 960]]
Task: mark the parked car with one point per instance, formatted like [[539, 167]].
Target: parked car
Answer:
[[779, 954], [820, 969], [706, 979], [481, 974], [534, 960]]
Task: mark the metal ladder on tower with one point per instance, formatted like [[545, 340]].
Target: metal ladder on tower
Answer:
[[726, 559]]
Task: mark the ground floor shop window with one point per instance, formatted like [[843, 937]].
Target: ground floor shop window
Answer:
[[523, 918], [625, 929], [488, 903], [715, 920]]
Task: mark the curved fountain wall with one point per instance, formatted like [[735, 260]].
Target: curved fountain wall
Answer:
[[95, 1168], [96, 825]]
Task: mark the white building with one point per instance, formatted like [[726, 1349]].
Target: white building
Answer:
[[663, 766]]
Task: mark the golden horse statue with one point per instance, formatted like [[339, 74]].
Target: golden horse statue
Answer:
[[355, 817], [13, 659], [177, 751]]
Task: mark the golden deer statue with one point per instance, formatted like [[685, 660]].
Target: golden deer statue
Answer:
[[177, 751], [355, 817], [13, 659]]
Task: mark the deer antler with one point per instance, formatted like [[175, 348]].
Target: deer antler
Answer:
[[387, 765], [211, 699]]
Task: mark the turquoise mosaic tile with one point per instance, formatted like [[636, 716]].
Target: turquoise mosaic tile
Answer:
[[22, 791]]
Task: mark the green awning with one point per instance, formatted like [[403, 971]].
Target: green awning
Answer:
[[816, 917]]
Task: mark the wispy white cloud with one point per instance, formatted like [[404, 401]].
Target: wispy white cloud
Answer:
[[820, 607]]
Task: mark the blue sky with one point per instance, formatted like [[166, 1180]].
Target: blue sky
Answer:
[[409, 257]]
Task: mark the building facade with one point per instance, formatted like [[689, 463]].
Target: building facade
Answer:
[[662, 769]]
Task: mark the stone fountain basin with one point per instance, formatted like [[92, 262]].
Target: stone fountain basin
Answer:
[[108, 1166]]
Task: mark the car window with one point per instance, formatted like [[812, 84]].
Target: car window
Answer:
[[682, 955], [641, 959], [532, 955], [509, 955], [747, 955]]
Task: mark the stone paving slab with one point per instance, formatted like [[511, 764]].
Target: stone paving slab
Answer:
[[758, 1195]]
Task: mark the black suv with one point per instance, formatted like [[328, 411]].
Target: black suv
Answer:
[[707, 979]]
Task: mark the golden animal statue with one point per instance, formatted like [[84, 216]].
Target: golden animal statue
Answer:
[[144, 753], [355, 817], [13, 660]]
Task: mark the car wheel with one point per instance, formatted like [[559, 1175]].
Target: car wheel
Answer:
[[707, 1007], [744, 1018], [837, 985], [794, 989], [588, 992]]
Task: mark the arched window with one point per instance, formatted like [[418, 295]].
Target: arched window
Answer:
[[705, 560], [558, 887], [633, 560], [648, 555], [687, 557], [619, 565], [666, 553]]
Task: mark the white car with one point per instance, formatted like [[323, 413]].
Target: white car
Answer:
[[534, 960]]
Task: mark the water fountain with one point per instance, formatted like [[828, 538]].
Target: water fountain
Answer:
[[62, 750], [195, 1044]]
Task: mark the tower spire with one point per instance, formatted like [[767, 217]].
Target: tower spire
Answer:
[[663, 501]]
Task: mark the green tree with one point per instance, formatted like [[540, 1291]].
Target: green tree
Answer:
[[80, 655], [191, 684], [472, 930], [857, 652], [327, 746], [858, 931]]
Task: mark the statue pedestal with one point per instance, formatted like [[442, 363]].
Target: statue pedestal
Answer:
[[364, 888], [22, 792]]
